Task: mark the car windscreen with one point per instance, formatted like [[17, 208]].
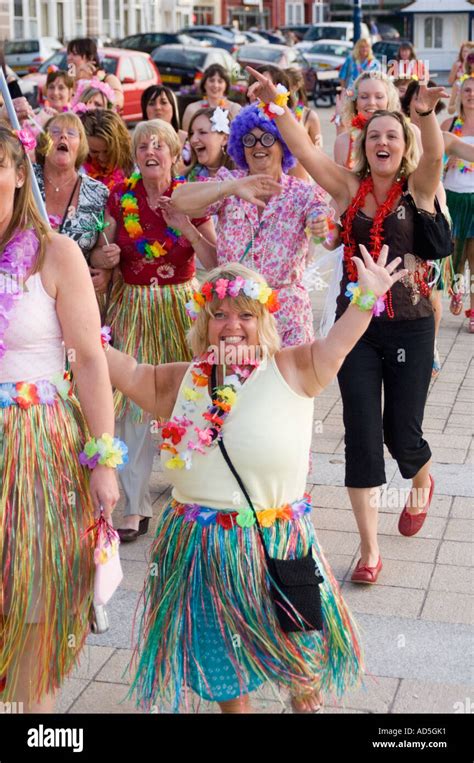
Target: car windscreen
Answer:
[[329, 50], [109, 64], [263, 53], [325, 33], [20, 47], [58, 59], [192, 59]]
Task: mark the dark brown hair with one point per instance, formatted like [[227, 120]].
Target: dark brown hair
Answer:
[[210, 72]]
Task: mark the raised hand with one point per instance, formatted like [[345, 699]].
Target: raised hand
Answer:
[[263, 88], [377, 276], [427, 98]]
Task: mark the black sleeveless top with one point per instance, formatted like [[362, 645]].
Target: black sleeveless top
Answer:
[[408, 303]]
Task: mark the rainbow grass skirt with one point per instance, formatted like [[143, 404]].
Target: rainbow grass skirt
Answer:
[[47, 566], [149, 323], [208, 622]]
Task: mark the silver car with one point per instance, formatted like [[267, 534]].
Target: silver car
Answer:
[[25, 56]]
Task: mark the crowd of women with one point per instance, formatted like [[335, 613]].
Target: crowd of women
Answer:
[[189, 241]]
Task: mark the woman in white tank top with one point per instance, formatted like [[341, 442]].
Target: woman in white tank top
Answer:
[[46, 498], [209, 622]]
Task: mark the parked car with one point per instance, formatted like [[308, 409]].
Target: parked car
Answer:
[[388, 32], [214, 40], [257, 37], [230, 32], [149, 41], [273, 38], [278, 55], [332, 30], [25, 56], [387, 49], [298, 29], [328, 54], [135, 70], [181, 65]]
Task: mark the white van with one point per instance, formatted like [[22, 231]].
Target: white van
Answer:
[[26, 56], [332, 30]]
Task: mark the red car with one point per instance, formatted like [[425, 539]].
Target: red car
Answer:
[[135, 70]]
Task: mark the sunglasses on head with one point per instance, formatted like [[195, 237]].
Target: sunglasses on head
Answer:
[[266, 139]]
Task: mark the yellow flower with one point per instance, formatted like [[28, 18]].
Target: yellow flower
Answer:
[[175, 463], [267, 517], [228, 395], [264, 293], [191, 394]]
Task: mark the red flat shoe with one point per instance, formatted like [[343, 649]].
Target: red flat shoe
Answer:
[[365, 574], [410, 524]]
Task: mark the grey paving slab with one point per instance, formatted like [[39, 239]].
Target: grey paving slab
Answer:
[[417, 649], [448, 607], [430, 697], [448, 577]]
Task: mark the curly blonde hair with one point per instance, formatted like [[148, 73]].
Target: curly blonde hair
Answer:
[[268, 337], [411, 156], [350, 106]]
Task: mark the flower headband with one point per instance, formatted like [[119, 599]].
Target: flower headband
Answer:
[[220, 121], [93, 84], [464, 78], [26, 138], [223, 288]]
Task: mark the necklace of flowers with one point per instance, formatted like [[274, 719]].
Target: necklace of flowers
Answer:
[[131, 221], [223, 400], [376, 232], [16, 261], [109, 179], [461, 165], [357, 124], [299, 110]]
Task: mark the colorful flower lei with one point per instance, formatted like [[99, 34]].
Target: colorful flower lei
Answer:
[[106, 451], [193, 512], [109, 179], [299, 110], [41, 392], [16, 261], [275, 107], [224, 399], [461, 165], [223, 288], [131, 221], [376, 231]]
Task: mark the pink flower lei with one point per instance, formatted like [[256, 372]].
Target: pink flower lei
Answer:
[[93, 84], [16, 261]]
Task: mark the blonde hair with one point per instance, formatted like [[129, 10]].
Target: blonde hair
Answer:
[[107, 125], [160, 129], [466, 44], [268, 337], [411, 156], [361, 41], [350, 106], [68, 119], [88, 94], [459, 103], [25, 213]]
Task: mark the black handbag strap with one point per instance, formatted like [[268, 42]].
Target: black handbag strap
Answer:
[[69, 203], [234, 471]]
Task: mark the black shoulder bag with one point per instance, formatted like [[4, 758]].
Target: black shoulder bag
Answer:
[[432, 239], [292, 580]]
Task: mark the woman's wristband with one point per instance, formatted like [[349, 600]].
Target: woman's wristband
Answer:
[[365, 300], [106, 451], [424, 113]]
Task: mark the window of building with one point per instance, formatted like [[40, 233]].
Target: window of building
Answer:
[[294, 13], [433, 32], [18, 23], [105, 17], [203, 14]]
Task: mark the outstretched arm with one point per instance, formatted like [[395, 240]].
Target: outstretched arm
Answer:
[[153, 388], [454, 146], [317, 364], [336, 180], [195, 198], [425, 178]]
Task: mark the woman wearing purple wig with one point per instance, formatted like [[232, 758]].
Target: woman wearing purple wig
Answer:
[[262, 214]]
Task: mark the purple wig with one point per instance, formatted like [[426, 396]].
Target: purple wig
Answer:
[[245, 121]]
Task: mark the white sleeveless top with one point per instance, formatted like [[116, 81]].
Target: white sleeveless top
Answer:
[[457, 181], [267, 435], [33, 339]]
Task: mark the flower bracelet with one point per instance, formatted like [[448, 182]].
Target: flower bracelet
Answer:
[[365, 300], [275, 107], [106, 451]]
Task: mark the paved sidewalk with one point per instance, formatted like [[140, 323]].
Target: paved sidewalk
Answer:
[[414, 622]]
